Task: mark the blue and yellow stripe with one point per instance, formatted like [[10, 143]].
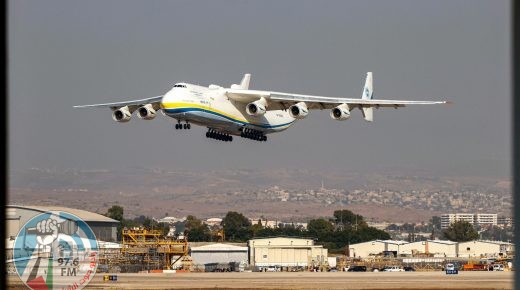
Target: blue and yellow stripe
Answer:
[[176, 108]]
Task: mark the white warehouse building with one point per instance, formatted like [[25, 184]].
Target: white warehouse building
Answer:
[[489, 249], [439, 248], [372, 248], [436, 248], [285, 251], [218, 253]]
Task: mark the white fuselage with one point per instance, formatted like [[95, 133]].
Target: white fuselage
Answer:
[[210, 107]]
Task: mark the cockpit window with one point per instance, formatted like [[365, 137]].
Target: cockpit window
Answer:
[[179, 86]]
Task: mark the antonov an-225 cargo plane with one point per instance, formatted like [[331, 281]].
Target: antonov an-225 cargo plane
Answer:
[[243, 112]]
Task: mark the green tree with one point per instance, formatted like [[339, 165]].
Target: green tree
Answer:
[[460, 231], [116, 212], [196, 230], [347, 217], [256, 228], [496, 233], [436, 222], [320, 228], [152, 224], [236, 227]]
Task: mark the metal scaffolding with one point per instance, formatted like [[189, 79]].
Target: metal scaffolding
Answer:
[[150, 250]]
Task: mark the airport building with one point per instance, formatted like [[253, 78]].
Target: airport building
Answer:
[[489, 249], [433, 248], [372, 248], [285, 252], [103, 227], [207, 255]]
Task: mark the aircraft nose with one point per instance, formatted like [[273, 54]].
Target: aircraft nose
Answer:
[[167, 99]]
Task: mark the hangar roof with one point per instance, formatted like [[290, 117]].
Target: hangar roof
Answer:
[[218, 247], [86, 216]]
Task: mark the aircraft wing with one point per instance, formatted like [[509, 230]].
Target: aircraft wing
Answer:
[[278, 100], [132, 105]]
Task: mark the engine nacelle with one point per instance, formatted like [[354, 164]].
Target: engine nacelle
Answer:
[[340, 113], [122, 114], [256, 108], [299, 110], [146, 112]]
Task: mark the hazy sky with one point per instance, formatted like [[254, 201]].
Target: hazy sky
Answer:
[[66, 53]]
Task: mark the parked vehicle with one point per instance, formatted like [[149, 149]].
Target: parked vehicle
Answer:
[[392, 269], [408, 269], [357, 269], [474, 267], [498, 267]]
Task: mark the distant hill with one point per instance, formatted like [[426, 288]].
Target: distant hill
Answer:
[[289, 194]]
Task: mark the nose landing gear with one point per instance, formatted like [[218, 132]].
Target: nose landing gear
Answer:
[[180, 126]]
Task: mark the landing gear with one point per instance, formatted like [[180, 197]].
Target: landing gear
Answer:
[[253, 134], [218, 136], [180, 126]]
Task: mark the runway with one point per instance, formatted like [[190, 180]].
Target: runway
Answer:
[[301, 280]]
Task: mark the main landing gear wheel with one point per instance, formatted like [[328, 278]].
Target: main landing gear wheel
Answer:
[[253, 134], [218, 136]]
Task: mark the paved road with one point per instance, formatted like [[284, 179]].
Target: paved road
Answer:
[[302, 280]]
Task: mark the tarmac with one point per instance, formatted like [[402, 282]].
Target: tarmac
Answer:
[[299, 280]]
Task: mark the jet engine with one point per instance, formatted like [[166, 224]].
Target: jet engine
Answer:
[[299, 110], [256, 108], [122, 114], [146, 112], [340, 113]]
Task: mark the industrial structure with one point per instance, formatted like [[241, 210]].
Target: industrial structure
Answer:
[[149, 249]]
